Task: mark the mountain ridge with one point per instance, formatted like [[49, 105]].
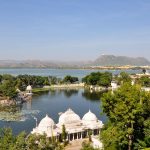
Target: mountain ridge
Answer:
[[103, 60], [112, 60]]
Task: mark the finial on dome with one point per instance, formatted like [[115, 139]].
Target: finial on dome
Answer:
[[69, 109]]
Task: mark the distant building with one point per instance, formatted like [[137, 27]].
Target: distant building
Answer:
[[29, 90], [114, 85]]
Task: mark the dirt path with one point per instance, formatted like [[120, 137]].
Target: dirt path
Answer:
[[75, 145]]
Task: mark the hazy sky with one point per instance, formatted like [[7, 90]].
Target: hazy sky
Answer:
[[74, 29]]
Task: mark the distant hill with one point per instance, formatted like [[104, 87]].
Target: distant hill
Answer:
[[103, 60], [111, 60], [39, 64]]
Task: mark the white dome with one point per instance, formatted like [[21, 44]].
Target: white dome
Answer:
[[46, 124], [89, 117], [29, 88], [69, 117]]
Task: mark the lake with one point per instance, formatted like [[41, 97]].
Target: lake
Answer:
[[59, 72], [54, 102]]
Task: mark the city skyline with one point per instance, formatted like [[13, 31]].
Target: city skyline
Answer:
[[74, 30]]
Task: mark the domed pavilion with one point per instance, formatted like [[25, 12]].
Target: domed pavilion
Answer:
[[76, 127]]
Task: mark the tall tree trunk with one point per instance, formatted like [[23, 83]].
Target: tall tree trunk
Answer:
[[130, 138], [130, 142]]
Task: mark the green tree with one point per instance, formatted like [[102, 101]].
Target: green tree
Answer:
[[70, 79], [123, 78], [20, 142], [98, 78], [7, 140], [8, 89], [64, 134], [127, 110], [145, 81], [87, 146]]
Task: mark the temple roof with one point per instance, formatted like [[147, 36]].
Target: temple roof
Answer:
[[69, 117], [29, 88], [46, 123], [89, 116]]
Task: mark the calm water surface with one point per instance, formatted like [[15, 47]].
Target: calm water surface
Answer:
[[56, 101], [58, 72], [53, 102]]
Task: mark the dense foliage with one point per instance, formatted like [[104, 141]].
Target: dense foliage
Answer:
[[87, 146], [145, 81], [7, 87], [23, 142], [98, 78], [9, 83], [123, 78], [70, 79], [128, 110]]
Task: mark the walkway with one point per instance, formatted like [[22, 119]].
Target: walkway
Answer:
[[75, 145]]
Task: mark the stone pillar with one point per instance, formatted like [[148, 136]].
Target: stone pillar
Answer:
[[77, 136], [98, 131], [81, 136], [73, 136]]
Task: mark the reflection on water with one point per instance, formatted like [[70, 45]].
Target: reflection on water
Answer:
[[52, 103]]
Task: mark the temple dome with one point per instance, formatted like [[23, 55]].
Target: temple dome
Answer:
[[89, 117], [69, 117], [46, 124], [29, 88]]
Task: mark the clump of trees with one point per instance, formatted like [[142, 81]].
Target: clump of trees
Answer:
[[128, 110], [7, 86], [8, 141], [22, 81], [70, 79], [9, 83], [123, 77], [88, 146], [98, 78], [144, 81]]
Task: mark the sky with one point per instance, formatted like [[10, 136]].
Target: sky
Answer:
[[74, 30]]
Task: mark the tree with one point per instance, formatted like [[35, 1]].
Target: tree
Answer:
[[20, 142], [144, 70], [123, 78], [8, 89], [145, 81], [98, 78], [64, 134], [70, 79], [8, 141], [87, 146], [127, 110], [105, 79]]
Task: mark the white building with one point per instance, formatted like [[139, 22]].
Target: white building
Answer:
[[29, 90], [76, 127]]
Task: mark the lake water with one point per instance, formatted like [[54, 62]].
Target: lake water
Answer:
[[59, 72], [53, 102], [56, 101]]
